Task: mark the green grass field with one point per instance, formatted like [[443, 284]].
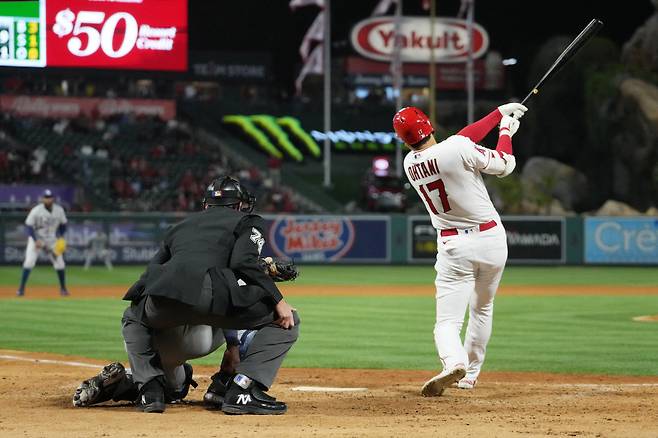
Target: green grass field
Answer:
[[579, 334]]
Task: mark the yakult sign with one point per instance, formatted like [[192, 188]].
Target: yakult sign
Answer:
[[375, 38]]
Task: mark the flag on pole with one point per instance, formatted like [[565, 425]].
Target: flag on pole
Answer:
[[313, 65], [315, 34], [294, 4], [382, 7]]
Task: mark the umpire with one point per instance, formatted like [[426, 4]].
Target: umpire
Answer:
[[207, 272]]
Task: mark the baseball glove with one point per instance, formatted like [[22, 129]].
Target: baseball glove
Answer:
[[59, 247], [279, 270]]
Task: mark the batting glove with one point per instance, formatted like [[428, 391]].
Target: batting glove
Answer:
[[509, 126], [513, 109]]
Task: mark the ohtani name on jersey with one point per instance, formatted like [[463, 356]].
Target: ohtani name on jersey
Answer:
[[423, 169]]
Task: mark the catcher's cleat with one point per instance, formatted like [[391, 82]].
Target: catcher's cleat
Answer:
[[437, 384], [466, 383], [244, 396], [214, 396], [152, 396], [100, 388], [177, 396]]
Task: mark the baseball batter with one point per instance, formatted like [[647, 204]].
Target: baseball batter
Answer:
[[45, 226], [471, 241]]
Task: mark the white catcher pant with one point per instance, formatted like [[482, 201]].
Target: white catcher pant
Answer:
[[32, 252], [468, 270]]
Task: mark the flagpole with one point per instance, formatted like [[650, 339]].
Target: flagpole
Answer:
[[326, 63], [432, 69], [397, 78], [470, 73]]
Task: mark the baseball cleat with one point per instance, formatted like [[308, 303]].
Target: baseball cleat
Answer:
[[20, 293], [244, 396], [152, 396], [437, 384], [64, 293], [99, 388], [466, 383], [214, 396]]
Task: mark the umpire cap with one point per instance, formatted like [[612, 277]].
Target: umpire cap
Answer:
[[227, 192]]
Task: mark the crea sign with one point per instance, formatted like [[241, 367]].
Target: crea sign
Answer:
[[375, 38]]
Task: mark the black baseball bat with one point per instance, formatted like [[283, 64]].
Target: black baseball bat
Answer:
[[590, 30]]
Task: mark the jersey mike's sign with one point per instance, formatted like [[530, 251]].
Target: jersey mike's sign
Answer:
[[375, 38], [320, 239]]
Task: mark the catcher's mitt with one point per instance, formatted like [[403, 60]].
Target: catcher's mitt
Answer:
[[279, 270], [59, 247]]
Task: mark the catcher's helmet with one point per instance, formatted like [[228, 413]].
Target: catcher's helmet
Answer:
[[227, 192], [412, 125]]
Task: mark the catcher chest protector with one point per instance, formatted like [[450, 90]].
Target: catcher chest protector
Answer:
[[227, 192]]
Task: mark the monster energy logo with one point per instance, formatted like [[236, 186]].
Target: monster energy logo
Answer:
[[282, 136]]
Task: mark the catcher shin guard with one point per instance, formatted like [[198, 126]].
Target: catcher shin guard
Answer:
[[112, 383]]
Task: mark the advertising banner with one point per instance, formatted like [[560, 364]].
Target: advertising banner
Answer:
[[529, 239], [619, 240], [126, 34], [71, 107], [142, 35], [329, 238], [488, 74], [375, 38]]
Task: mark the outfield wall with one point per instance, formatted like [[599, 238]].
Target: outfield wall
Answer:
[[369, 239]]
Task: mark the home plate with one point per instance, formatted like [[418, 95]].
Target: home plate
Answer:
[[326, 389]]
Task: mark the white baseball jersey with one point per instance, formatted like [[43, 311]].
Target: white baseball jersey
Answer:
[[447, 177], [45, 222]]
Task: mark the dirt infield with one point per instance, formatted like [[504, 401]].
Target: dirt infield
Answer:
[[293, 290], [35, 400], [36, 391]]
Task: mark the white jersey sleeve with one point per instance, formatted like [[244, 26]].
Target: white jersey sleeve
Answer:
[[59, 214], [486, 160], [32, 217]]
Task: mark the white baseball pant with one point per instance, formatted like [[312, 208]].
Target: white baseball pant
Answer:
[[32, 252], [469, 267]]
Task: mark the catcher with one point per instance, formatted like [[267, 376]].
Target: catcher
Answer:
[[45, 226], [206, 280]]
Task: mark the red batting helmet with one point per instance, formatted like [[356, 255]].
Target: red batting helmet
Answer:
[[412, 125]]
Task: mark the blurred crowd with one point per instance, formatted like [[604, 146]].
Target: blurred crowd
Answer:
[[128, 163]]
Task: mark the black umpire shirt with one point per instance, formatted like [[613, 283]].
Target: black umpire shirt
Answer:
[[220, 241]]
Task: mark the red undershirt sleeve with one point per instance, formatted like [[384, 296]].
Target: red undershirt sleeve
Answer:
[[478, 130], [505, 144]]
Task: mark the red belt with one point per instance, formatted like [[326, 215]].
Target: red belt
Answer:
[[483, 227]]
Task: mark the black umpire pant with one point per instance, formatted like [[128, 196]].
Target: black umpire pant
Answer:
[[260, 363]]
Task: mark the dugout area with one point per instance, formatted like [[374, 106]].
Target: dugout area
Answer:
[[568, 357]]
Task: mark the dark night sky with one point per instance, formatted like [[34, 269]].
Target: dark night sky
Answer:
[[517, 27]]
